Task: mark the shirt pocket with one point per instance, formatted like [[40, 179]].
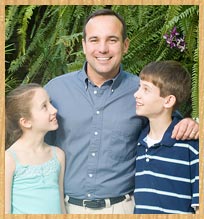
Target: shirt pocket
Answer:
[[123, 145]]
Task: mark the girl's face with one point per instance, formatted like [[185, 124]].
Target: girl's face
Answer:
[[43, 114]]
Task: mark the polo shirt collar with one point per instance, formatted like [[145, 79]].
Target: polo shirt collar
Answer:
[[166, 140]]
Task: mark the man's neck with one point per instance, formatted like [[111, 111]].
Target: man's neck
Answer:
[[99, 79]]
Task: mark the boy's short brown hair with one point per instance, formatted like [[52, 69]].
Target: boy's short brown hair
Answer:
[[170, 77]]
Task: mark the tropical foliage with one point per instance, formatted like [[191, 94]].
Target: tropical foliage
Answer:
[[45, 41]]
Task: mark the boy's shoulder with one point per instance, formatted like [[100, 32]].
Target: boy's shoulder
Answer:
[[167, 140], [189, 143]]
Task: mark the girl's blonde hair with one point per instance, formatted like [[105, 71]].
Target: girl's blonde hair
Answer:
[[18, 105]]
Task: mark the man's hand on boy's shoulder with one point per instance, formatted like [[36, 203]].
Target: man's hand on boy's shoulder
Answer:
[[187, 128]]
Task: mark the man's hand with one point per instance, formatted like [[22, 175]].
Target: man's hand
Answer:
[[186, 129]]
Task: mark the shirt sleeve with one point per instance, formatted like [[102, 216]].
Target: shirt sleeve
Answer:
[[194, 164]]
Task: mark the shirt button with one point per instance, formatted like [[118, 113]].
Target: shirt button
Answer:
[[147, 160], [93, 154], [90, 175], [95, 92], [89, 195], [146, 150], [97, 112], [95, 133]]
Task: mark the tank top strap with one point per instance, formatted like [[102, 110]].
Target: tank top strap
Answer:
[[54, 153], [13, 154]]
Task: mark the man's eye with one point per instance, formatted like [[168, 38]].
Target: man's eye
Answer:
[[113, 40], [93, 40]]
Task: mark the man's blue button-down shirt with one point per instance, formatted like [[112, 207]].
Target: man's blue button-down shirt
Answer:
[[98, 130]]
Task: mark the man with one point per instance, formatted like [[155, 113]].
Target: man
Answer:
[[98, 128]]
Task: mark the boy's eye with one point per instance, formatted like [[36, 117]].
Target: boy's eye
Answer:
[[145, 89]]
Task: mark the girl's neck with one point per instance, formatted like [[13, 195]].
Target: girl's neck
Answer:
[[31, 143], [32, 151]]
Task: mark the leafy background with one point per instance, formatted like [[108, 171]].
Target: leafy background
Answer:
[[43, 42]]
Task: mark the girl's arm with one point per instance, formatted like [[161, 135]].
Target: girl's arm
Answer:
[[61, 157], [9, 171]]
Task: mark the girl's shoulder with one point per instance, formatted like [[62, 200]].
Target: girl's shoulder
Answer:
[[10, 159], [59, 153], [10, 153]]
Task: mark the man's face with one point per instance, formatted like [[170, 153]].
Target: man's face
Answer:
[[104, 46]]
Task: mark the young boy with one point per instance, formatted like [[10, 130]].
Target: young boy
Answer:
[[167, 170]]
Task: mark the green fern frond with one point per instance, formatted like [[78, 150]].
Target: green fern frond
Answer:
[[195, 85], [10, 20], [33, 69], [16, 64], [22, 31], [190, 11], [70, 40]]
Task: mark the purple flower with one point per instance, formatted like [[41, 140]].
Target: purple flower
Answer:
[[174, 41], [174, 32], [181, 44]]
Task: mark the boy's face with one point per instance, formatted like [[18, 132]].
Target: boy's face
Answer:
[[149, 103]]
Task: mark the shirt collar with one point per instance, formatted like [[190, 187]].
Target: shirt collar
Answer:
[[115, 81], [166, 140], [83, 76]]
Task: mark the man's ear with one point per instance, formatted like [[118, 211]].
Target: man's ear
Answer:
[[84, 46], [126, 45], [169, 101], [25, 123]]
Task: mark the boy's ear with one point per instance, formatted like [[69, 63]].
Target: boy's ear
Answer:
[[169, 101], [24, 123]]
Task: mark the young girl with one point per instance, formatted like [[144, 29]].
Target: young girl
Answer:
[[34, 171]]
